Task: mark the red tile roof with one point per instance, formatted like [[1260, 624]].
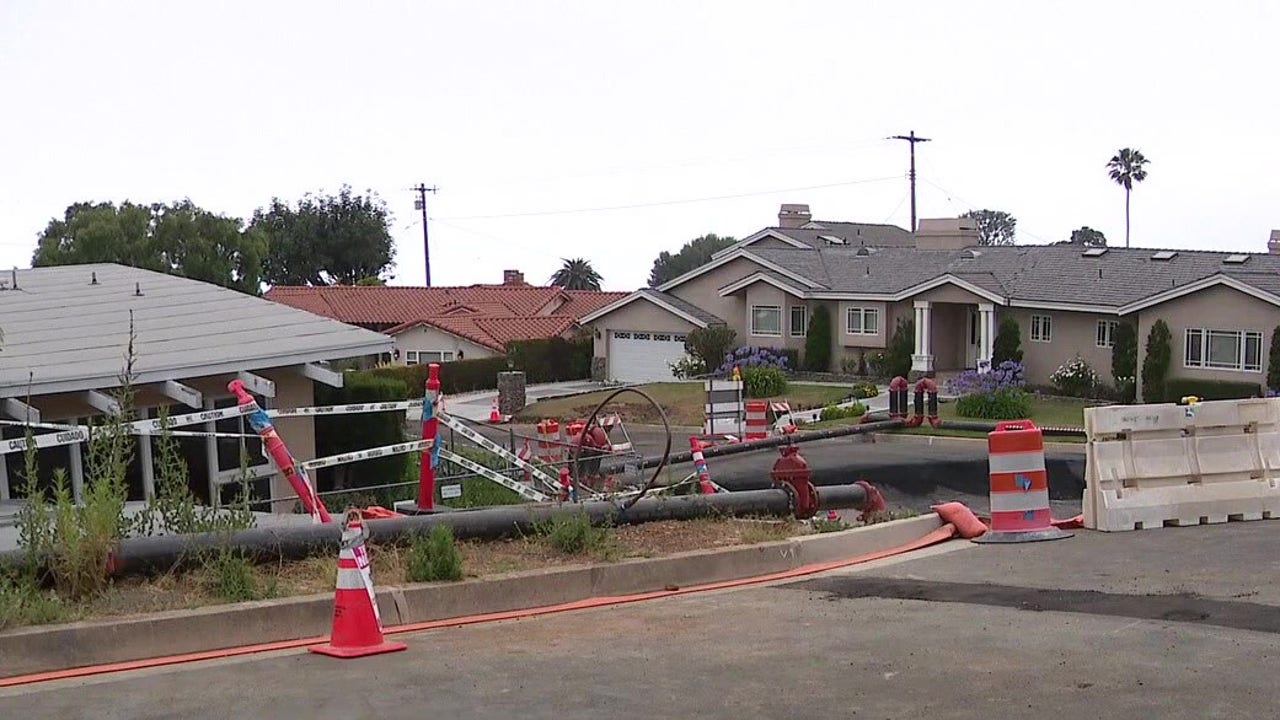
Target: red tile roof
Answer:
[[490, 315]]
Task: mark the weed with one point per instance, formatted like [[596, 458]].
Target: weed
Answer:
[[821, 525], [23, 602], [232, 577], [763, 531], [575, 535], [881, 516], [435, 557]]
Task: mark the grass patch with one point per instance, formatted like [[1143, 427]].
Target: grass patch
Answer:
[[232, 578], [434, 558], [683, 401], [23, 602], [755, 532], [574, 534]]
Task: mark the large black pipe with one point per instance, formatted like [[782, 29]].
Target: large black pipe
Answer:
[[987, 426], [167, 552], [770, 442]]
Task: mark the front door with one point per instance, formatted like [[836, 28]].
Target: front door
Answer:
[[971, 338]]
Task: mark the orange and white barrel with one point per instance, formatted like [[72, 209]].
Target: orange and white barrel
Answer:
[[757, 419], [550, 448], [1020, 510]]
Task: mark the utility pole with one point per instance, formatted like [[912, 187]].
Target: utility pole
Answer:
[[421, 204], [911, 138]]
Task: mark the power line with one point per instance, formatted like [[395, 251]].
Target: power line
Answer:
[[912, 140], [972, 206], [686, 201]]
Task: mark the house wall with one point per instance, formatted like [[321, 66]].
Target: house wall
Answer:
[[949, 341], [298, 433], [429, 339], [761, 293], [1215, 308], [638, 315], [841, 329], [1072, 333], [704, 292]]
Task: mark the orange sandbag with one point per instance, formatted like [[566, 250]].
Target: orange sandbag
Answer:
[[375, 512], [957, 513]]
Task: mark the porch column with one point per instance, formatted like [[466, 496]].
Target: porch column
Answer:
[[922, 360], [986, 335]]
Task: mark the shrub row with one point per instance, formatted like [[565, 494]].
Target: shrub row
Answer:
[[1177, 388]]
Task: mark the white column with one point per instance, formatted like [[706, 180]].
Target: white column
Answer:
[[211, 453], [986, 333], [922, 360], [77, 467], [4, 477], [144, 460]]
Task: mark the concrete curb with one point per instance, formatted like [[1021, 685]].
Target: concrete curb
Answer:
[[55, 647], [902, 438]]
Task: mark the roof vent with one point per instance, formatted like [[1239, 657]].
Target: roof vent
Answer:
[[1165, 255], [1095, 252], [1235, 259], [863, 251], [832, 239]]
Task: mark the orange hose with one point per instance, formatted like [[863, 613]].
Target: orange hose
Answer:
[[946, 532]]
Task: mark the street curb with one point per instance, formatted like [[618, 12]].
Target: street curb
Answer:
[[902, 438], [98, 642]]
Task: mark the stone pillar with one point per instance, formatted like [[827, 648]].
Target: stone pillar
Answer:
[[599, 369], [986, 335], [510, 392], [922, 359]]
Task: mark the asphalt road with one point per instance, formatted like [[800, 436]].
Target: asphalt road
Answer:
[[1177, 623]]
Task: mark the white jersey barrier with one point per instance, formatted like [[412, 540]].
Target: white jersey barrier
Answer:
[[1154, 465]]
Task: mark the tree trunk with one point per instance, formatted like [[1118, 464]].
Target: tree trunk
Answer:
[[1126, 216]]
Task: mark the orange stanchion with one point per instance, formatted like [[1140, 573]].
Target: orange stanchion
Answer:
[[1020, 509], [357, 627]]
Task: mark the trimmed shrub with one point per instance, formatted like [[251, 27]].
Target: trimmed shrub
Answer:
[[762, 381], [336, 434], [549, 359], [1124, 361], [1007, 345], [835, 412], [459, 376], [1155, 365], [1177, 388], [1273, 361], [864, 390], [1074, 378], [1007, 403], [709, 345], [817, 341], [897, 357]]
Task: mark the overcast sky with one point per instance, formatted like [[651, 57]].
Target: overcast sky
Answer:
[[702, 117]]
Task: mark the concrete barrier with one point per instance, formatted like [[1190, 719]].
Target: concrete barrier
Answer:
[[113, 640], [1156, 465]]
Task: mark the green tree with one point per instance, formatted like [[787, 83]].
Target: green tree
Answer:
[[326, 239], [1126, 167], [1088, 237], [576, 274], [1273, 360], [179, 238], [817, 341], [897, 357], [709, 345], [1155, 365], [1008, 342], [1124, 359], [995, 227], [694, 254]]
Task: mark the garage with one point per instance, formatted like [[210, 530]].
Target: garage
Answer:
[[637, 357]]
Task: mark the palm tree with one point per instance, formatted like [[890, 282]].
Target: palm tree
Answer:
[[1127, 167], [576, 274]]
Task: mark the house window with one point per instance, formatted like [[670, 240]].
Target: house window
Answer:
[[766, 320], [799, 321], [1223, 350], [1041, 328], [411, 357], [422, 357], [862, 321], [1107, 333]]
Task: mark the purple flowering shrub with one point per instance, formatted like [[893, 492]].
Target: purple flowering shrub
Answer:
[[751, 356]]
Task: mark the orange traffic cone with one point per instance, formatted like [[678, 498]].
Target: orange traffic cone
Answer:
[[494, 417], [357, 628]]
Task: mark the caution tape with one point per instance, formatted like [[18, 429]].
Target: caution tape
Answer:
[[370, 454]]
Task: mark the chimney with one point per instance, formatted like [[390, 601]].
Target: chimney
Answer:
[[1273, 245], [793, 216], [946, 233], [512, 277]]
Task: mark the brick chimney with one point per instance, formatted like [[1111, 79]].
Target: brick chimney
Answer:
[[1273, 245], [946, 233], [512, 277], [794, 216]]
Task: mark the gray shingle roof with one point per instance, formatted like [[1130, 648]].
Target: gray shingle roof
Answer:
[[873, 234], [683, 306], [1031, 273], [68, 334]]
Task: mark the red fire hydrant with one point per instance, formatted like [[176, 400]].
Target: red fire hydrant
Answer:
[[792, 470]]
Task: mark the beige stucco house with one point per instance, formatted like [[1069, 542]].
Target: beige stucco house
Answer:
[[1067, 300]]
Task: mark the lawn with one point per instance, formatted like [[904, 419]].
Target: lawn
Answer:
[[1044, 411], [683, 402]]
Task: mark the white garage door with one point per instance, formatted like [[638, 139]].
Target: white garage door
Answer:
[[643, 356]]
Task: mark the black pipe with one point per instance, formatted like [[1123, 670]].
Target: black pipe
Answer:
[[764, 444], [164, 553], [986, 426]]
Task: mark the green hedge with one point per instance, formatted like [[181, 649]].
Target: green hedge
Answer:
[[551, 360], [456, 377], [336, 434], [1177, 388]]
